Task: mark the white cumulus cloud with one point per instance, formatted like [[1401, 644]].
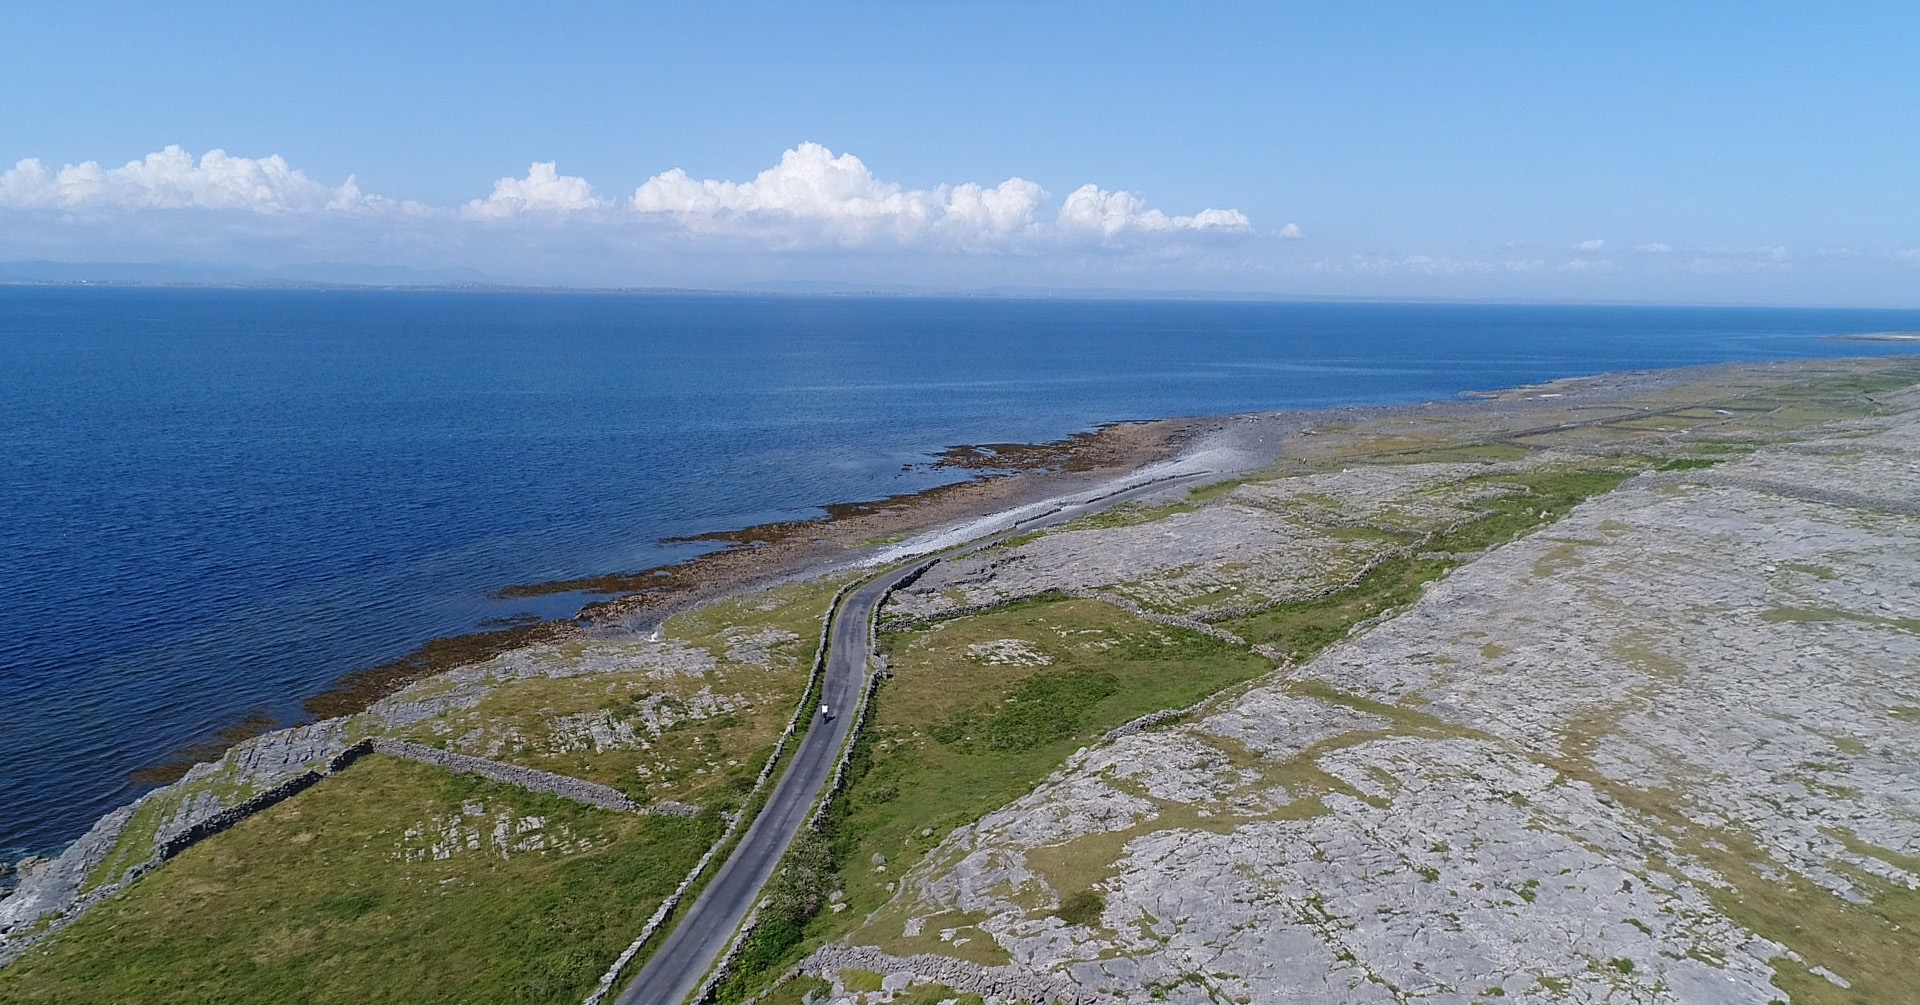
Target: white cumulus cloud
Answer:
[[839, 198], [1091, 207], [812, 193], [1006, 208], [171, 179], [1590, 245], [813, 206], [813, 198], [543, 190], [1656, 248]]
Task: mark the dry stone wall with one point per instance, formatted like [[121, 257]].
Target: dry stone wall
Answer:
[[578, 790]]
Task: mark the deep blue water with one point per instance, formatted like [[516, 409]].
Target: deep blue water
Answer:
[[217, 501]]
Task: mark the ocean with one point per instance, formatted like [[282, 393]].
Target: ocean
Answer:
[[218, 501]]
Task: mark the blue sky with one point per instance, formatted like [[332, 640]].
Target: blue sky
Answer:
[[1717, 152]]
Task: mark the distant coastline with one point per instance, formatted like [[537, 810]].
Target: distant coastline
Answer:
[[346, 278]]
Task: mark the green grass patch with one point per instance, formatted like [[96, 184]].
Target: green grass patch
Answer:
[[1082, 909], [1817, 571], [134, 845], [340, 895], [798, 990], [1216, 490], [1361, 532], [1800, 615], [1463, 454], [225, 783], [934, 994], [1013, 542], [1127, 515], [1690, 463], [1039, 710]]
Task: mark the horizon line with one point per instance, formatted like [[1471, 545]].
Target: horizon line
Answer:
[[882, 291]]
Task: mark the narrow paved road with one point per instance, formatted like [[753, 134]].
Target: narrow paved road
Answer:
[[675, 970]]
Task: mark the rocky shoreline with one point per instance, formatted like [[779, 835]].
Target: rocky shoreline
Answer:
[[1005, 476]]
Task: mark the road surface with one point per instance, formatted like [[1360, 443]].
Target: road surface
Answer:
[[675, 970]]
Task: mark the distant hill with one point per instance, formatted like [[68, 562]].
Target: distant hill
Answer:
[[327, 273]]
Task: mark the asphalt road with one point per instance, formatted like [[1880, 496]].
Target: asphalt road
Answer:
[[675, 970]]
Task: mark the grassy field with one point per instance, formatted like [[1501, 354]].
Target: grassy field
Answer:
[[398, 882], [980, 710], [391, 882], [711, 747], [659, 735]]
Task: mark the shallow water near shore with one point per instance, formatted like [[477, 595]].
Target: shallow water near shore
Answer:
[[219, 501]]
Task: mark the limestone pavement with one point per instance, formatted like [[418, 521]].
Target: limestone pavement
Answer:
[[1558, 777]]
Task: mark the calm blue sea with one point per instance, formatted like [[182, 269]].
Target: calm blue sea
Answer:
[[216, 502]]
